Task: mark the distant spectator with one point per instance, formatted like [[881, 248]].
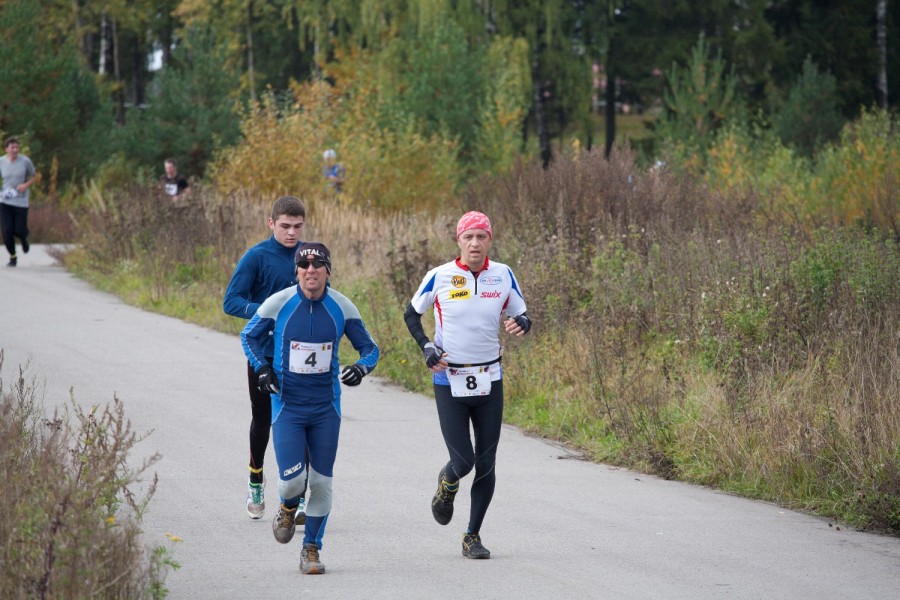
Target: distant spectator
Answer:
[[174, 184], [333, 171], [18, 174]]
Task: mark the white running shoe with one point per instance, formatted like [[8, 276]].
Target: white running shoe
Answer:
[[256, 499], [300, 519]]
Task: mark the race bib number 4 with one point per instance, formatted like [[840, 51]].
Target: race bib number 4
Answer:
[[310, 357], [469, 381]]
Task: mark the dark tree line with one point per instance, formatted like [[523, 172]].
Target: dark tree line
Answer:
[[78, 69]]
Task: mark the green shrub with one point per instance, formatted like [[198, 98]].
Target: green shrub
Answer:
[[698, 99], [809, 116]]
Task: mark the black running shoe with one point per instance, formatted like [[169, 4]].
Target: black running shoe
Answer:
[[25, 246], [472, 547], [442, 503], [12, 261]]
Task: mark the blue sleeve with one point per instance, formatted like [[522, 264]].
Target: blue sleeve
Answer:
[[356, 331], [362, 342], [255, 333], [515, 304], [238, 296]]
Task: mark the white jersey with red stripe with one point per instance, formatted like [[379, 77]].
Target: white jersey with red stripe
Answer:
[[467, 311]]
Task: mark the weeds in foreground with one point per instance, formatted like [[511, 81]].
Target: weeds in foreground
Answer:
[[71, 512]]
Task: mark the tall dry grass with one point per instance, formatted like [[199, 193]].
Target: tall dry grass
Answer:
[[71, 524], [695, 337], [680, 328]]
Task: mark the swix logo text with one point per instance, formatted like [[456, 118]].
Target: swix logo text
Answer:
[[293, 469], [490, 294]]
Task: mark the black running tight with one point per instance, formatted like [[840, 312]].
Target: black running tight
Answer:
[[261, 426], [261, 421], [486, 415], [14, 224]]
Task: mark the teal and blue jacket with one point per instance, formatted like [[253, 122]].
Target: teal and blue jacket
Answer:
[[289, 317]]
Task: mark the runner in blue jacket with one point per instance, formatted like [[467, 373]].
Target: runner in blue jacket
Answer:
[[306, 323], [266, 268]]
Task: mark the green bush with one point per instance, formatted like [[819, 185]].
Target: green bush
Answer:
[[809, 116]]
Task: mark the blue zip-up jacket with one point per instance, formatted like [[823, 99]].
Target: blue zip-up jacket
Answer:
[[289, 316], [266, 268]]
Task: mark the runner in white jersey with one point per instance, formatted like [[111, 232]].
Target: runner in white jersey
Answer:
[[469, 296]]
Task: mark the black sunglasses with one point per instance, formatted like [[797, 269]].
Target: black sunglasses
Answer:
[[317, 264]]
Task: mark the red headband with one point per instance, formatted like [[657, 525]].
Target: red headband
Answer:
[[474, 220]]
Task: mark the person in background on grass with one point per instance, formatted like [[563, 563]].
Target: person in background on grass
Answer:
[[18, 175], [305, 324], [333, 171], [266, 268], [174, 184], [469, 296]]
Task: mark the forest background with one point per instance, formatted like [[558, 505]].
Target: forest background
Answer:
[[700, 200]]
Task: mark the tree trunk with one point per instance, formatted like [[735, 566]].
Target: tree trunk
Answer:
[[251, 80], [165, 39], [138, 57], [610, 111], [104, 44], [608, 69], [317, 72], [117, 73], [79, 30], [881, 36], [540, 123]]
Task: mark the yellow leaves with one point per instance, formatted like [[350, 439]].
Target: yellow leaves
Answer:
[[848, 182], [194, 12], [282, 152]]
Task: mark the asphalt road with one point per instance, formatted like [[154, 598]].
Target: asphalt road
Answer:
[[558, 527]]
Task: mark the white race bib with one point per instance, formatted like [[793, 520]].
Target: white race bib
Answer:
[[310, 357], [172, 189], [469, 381]]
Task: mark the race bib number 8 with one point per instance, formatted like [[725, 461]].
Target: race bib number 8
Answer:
[[310, 357], [469, 381]]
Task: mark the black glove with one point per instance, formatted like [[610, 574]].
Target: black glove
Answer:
[[433, 354], [353, 374], [268, 381], [523, 321]]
